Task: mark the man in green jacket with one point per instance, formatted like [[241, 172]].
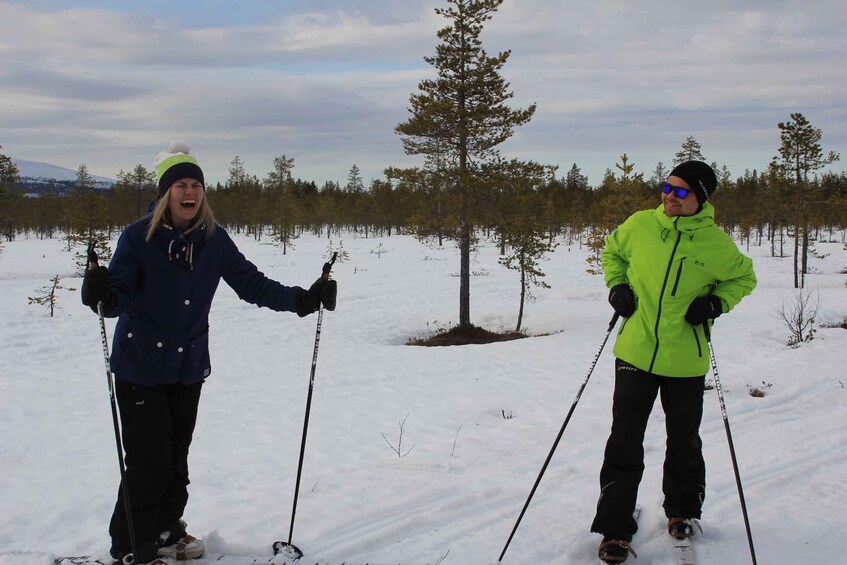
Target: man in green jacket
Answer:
[[670, 270]]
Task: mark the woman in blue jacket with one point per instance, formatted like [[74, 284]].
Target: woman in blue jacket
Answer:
[[160, 284]]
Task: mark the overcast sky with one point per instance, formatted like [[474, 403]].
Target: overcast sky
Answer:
[[110, 83]]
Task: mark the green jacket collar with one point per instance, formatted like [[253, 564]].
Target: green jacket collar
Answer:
[[702, 219]]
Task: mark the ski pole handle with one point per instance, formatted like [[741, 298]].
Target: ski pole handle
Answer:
[[328, 266], [93, 262]]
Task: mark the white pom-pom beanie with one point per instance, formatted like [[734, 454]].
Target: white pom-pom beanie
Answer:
[[175, 164]]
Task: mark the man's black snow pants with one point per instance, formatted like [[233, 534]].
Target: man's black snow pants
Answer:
[[684, 478], [157, 425]]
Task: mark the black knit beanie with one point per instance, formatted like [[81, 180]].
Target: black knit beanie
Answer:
[[174, 164], [699, 176]]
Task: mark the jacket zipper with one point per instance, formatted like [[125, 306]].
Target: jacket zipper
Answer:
[[661, 295], [678, 277]]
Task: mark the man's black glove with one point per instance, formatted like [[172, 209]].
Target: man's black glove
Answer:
[[622, 300], [96, 288], [703, 308]]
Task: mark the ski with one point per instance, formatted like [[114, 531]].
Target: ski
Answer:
[[684, 551], [205, 560], [684, 547], [218, 559]]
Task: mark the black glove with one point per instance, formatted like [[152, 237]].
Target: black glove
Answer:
[[322, 291], [308, 301], [96, 288], [703, 308], [329, 294], [622, 300]]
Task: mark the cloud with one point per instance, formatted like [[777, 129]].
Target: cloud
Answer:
[[326, 81]]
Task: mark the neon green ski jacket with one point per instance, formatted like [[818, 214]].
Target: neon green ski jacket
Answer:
[[668, 262]]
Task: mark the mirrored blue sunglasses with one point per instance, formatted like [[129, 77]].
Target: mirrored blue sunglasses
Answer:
[[678, 191]]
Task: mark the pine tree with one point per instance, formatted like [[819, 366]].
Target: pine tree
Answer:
[[690, 151], [660, 175], [10, 199], [47, 295], [283, 205], [463, 114], [354, 180], [86, 217], [801, 154], [527, 245], [143, 183]]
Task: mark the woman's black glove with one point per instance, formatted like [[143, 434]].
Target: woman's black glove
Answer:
[[622, 300], [328, 295], [703, 308], [322, 291], [96, 288]]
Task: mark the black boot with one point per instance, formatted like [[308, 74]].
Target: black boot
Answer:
[[613, 550], [682, 528]]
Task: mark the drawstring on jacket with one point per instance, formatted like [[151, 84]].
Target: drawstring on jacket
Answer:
[[187, 253]]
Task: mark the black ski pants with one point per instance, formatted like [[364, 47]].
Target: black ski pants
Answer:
[[157, 425], [684, 477]]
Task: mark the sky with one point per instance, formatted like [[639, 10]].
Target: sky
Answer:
[[109, 84]]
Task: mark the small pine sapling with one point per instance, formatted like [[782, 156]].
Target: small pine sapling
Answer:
[[342, 253], [379, 251], [47, 295]]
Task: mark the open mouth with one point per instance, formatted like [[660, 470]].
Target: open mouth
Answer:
[[188, 204]]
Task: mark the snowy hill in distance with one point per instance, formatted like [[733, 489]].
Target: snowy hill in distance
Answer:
[[38, 170]]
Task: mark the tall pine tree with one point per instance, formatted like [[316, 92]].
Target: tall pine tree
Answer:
[[801, 154], [463, 116]]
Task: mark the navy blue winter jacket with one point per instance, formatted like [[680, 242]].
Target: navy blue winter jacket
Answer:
[[164, 291]]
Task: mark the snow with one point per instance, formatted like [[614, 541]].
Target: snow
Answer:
[[468, 469]]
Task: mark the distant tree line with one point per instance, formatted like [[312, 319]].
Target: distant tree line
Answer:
[[757, 206]]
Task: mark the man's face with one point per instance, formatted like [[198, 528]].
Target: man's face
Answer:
[[675, 206]]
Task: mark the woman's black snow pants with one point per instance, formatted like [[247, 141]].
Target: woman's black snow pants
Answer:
[[157, 425]]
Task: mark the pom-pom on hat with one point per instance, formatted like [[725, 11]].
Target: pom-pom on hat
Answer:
[[699, 176], [175, 164]]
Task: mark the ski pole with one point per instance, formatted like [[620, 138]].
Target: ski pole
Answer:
[[559, 437], [93, 264], [292, 551], [719, 388]]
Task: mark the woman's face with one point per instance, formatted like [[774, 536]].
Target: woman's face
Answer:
[[675, 206], [184, 201]]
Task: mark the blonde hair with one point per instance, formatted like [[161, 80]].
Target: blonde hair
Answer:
[[161, 214]]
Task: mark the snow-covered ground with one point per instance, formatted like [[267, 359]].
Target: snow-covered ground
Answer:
[[466, 469]]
